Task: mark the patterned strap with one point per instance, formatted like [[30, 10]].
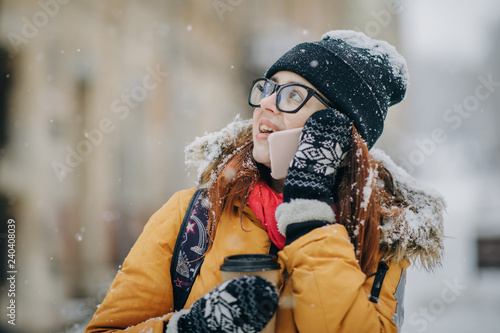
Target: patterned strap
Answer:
[[190, 247]]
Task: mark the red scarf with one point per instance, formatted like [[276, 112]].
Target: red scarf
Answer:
[[263, 200]]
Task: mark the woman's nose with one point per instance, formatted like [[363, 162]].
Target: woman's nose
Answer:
[[269, 103]]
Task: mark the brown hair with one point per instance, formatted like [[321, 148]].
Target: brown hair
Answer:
[[229, 178], [365, 192]]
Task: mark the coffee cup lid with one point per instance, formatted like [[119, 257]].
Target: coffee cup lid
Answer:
[[250, 262]]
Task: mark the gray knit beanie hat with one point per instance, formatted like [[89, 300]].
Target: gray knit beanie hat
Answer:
[[361, 76]]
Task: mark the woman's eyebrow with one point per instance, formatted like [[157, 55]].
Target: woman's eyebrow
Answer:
[[275, 80]]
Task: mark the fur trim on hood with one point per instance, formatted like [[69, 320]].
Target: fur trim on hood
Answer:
[[204, 151], [415, 235]]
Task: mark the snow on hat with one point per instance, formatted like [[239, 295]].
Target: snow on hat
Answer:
[[361, 76]]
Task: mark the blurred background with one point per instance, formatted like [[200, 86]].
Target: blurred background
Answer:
[[99, 98]]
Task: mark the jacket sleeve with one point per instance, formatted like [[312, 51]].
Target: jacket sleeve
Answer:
[[140, 297], [328, 292]]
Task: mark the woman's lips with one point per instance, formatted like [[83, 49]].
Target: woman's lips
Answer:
[[262, 136], [266, 127]]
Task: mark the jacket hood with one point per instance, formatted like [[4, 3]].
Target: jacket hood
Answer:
[[204, 151], [415, 235]]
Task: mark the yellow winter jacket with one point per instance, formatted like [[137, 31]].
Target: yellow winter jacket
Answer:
[[324, 289]]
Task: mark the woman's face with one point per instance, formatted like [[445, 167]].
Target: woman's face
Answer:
[[267, 118]]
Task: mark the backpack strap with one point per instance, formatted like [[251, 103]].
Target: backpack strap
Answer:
[[190, 247], [377, 281]]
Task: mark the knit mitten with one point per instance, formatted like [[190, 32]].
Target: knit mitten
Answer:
[[240, 305], [308, 188], [324, 142]]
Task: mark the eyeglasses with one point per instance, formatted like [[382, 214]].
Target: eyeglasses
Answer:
[[290, 97]]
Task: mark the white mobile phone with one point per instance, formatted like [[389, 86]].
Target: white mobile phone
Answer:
[[282, 146]]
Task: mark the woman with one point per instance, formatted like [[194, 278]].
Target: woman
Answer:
[[344, 227]]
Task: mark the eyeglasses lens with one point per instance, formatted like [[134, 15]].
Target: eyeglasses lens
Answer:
[[290, 98], [257, 93]]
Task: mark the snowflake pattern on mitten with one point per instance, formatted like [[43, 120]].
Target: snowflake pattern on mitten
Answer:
[[243, 305], [324, 143], [327, 157]]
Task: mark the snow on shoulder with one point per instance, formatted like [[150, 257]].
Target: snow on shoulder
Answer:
[[419, 233]]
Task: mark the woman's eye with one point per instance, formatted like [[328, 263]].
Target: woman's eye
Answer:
[[295, 96]]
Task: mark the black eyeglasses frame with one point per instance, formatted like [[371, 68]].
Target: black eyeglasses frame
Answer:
[[276, 88]]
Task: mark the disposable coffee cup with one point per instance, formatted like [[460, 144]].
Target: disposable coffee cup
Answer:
[[263, 265]]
